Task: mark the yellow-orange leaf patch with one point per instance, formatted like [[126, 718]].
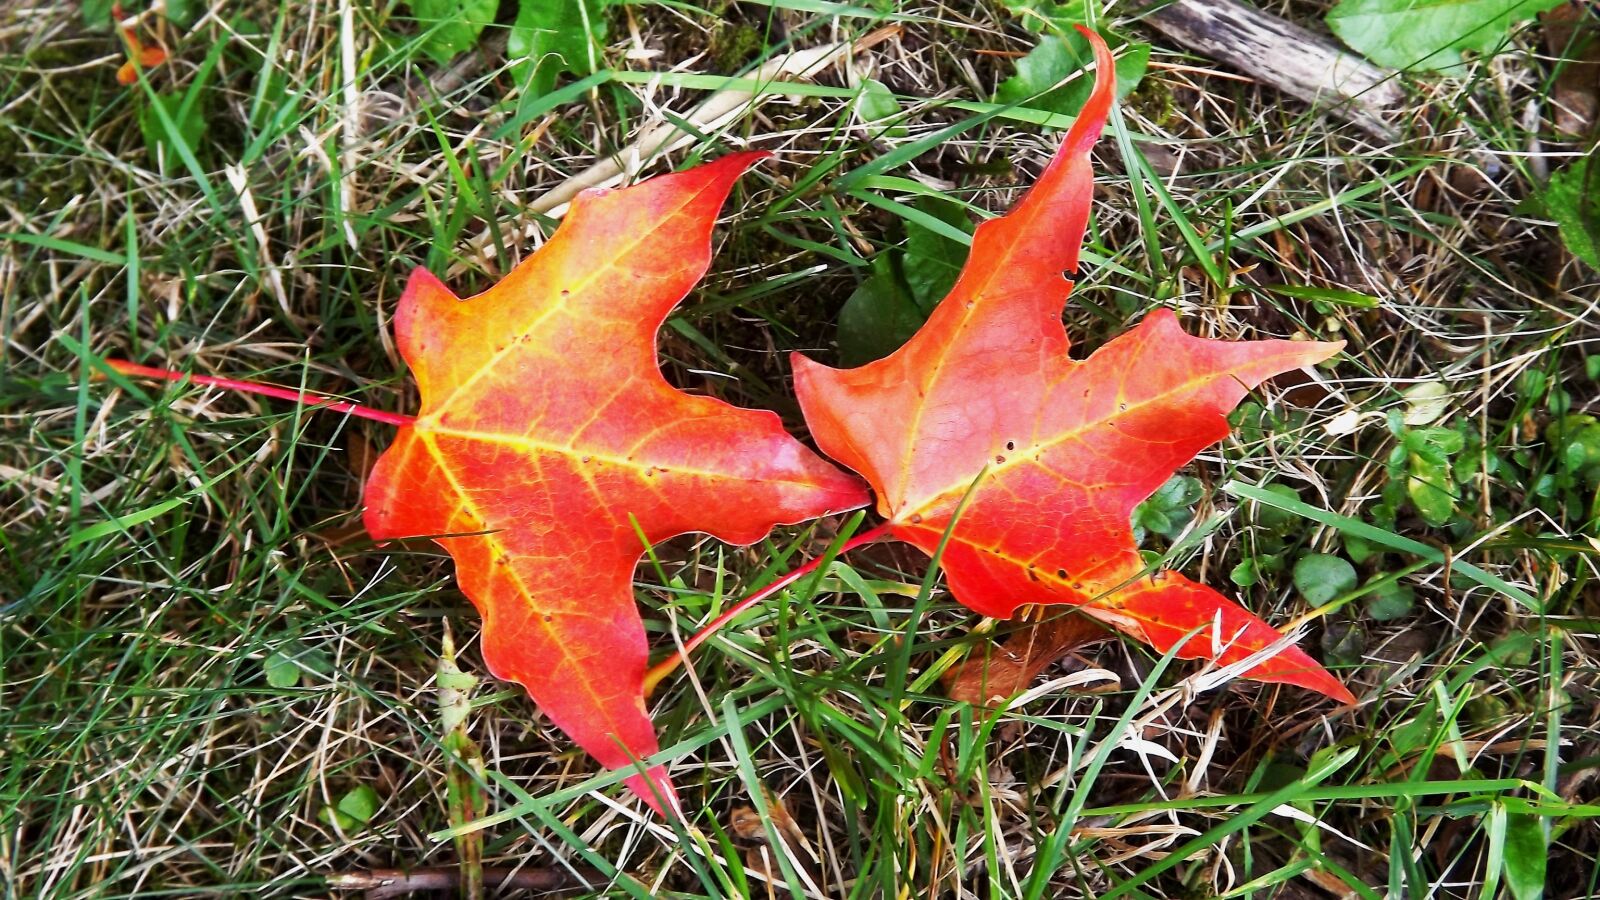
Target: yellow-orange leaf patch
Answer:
[[547, 431]]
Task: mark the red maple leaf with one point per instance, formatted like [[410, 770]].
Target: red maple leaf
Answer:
[[548, 442], [1055, 453]]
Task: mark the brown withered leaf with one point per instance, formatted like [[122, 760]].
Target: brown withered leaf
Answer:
[[1003, 670], [1575, 97], [745, 824]]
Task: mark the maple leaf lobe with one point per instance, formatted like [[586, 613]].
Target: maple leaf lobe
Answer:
[[548, 435], [1062, 451]]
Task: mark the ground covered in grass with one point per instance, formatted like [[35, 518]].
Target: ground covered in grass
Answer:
[[214, 683]]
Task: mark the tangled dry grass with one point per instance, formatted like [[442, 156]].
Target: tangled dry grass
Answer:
[[146, 751]]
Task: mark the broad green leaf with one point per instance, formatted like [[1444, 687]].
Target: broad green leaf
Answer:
[[880, 316], [1426, 403], [1428, 485], [904, 287], [1179, 492], [1438, 444], [450, 27], [876, 105], [1390, 601], [356, 809], [550, 37], [1271, 517], [1572, 199], [1244, 574], [1037, 83], [1559, 402], [190, 119], [1168, 511], [1357, 549], [1039, 16], [360, 804], [933, 260], [97, 14], [1428, 34], [1150, 518], [281, 671], [1320, 577], [1577, 442], [1532, 384], [183, 12], [1524, 867]]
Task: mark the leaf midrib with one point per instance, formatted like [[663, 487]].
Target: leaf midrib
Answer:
[[532, 445], [492, 537]]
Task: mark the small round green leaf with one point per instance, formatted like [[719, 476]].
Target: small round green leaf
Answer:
[[356, 809], [360, 804], [1390, 601], [1320, 577], [281, 671], [1244, 574]]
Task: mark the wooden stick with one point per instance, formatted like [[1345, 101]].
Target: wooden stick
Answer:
[[1283, 55]]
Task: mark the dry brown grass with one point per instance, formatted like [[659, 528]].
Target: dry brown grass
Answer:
[[145, 752]]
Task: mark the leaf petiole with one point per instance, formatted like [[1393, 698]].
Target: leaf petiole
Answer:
[[666, 667], [316, 401]]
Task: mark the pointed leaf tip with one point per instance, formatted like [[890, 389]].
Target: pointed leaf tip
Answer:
[[1091, 119], [1164, 608]]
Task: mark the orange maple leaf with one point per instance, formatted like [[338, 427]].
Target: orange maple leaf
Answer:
[[548, 441], [1056, 453], [140, 55]]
